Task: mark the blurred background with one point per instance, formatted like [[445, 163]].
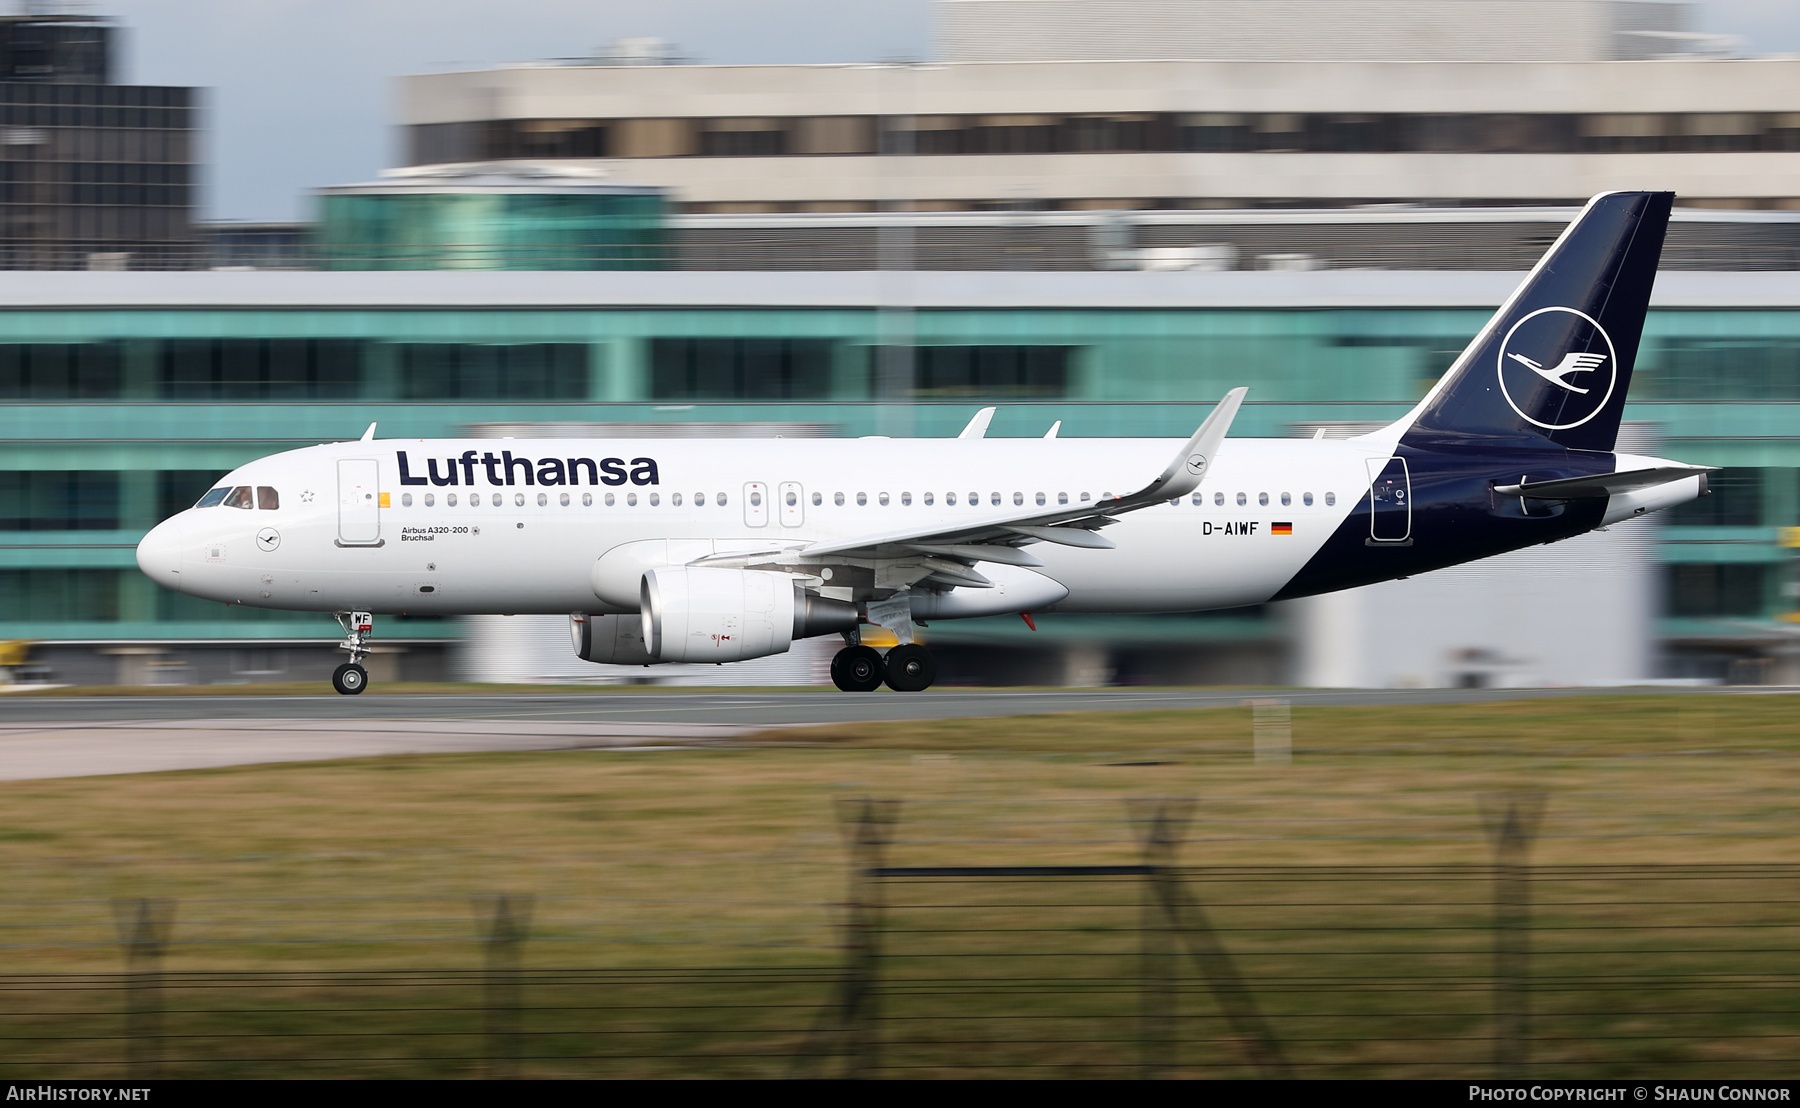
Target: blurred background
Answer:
[[872, 220]]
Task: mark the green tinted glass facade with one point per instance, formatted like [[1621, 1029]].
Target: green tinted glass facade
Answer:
[[113, 418], [519, 230]]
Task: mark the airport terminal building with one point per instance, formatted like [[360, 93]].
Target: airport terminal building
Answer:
[[128, 393], [1071, 232]]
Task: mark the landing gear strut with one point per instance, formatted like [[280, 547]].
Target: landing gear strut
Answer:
[[359, 627]]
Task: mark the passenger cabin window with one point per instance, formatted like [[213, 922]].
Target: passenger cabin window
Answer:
[[240, 498], [213, 498], [267, 498]]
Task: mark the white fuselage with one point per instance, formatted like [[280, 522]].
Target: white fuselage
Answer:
[[336, 542]]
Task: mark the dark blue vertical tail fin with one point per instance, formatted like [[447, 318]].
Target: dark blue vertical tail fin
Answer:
[[1555, 361]]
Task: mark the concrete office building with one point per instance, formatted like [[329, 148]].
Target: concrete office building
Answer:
[[1159, 120]]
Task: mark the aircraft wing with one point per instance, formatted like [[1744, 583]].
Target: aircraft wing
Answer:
[[1601, 484], [995, 537]]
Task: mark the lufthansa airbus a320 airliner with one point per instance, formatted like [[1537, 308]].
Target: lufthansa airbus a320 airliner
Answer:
[[696, 551]]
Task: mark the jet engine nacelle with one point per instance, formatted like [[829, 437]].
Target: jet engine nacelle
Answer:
[[614, 640], [715, 615]]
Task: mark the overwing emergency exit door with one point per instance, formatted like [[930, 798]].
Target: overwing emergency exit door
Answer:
[[1390, 501], [756, 504], [359, 502], [793, 507]]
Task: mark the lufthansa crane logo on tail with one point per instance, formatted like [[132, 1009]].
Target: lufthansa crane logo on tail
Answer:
[[1557, 368]]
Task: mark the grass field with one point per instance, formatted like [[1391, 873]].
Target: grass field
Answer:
[[657, 866]]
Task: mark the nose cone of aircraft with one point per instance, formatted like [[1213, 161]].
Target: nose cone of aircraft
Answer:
[[159, 554]]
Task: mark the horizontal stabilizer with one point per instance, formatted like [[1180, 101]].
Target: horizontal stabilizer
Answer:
[[1601, 484]]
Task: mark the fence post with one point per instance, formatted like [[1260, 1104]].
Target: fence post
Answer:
[[503, 933], [1162, 823], [1512, 822], [143, 925], [1189, 923], [866, 826]]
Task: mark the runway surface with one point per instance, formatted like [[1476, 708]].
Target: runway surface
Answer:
[[42, 737]]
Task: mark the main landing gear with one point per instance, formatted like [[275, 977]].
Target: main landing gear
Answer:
[[359, 627], [908, 668]]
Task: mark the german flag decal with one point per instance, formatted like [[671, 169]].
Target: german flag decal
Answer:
[[1281, 528]]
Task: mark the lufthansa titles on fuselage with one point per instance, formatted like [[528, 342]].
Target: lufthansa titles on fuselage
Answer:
[[506, 469]]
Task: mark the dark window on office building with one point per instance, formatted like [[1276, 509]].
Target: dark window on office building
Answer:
[[1725, 369], [472, 371], [991, 371], [59, 595], [1202, 132], [59, 500], [743, 138], [60, 371], [63, 49], [740, 369], [178, 489], [260, 369], [1707, 589], [491, 140], [1736, 501]]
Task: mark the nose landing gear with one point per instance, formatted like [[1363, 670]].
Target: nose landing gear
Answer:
[[359, 627]]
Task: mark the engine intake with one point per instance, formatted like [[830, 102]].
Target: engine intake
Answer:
[[715, 615]]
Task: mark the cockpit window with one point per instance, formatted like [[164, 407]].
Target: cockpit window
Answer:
[[240, 498], [212, 498], [267, 498]]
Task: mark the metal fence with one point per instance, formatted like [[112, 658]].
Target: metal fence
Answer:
[[1153, 969]]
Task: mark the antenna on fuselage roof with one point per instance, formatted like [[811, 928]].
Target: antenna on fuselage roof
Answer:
[[977, 428], [369, 435], [1054, 428]]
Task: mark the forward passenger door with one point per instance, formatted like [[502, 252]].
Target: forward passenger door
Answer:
[[359, 502]]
